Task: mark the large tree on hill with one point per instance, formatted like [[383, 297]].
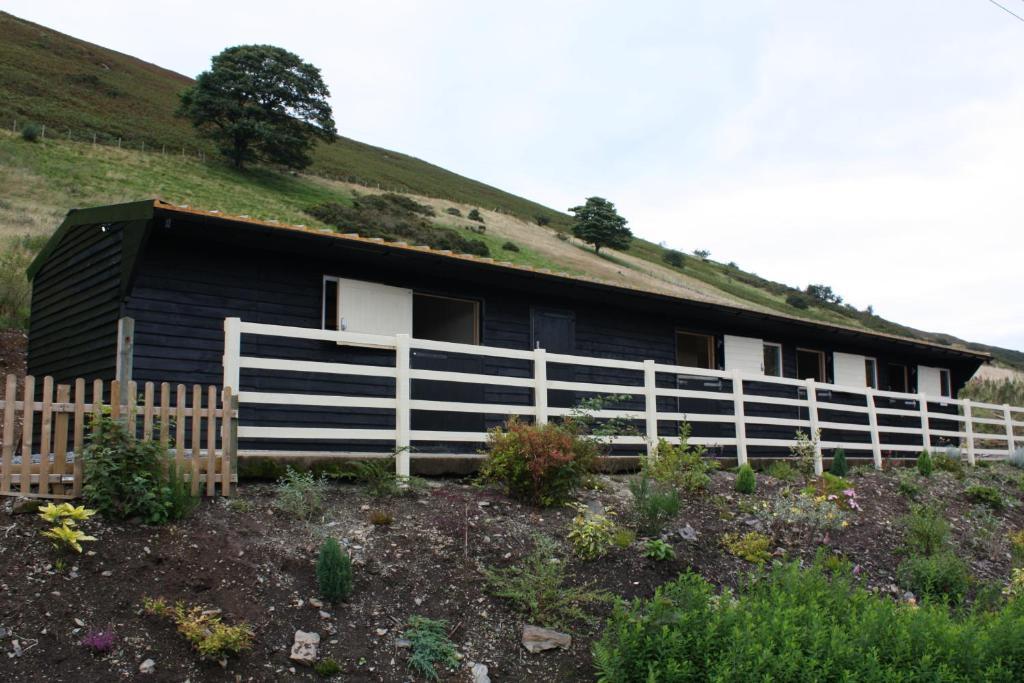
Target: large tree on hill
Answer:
[[598, 223], [260, 103]]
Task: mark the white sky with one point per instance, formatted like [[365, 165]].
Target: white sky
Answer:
[[875, 146]]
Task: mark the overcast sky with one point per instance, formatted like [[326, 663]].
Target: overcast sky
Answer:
[[875, 146]]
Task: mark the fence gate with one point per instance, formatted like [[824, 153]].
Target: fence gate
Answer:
[[45, 428]]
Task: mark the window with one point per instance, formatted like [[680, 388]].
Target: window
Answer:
[[810, 364], [772, 359], [443, 318], [695, 350], [945, 386], [871, 373], [899, 378], [329, 314]]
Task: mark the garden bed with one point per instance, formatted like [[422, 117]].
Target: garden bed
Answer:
[[257, 565]]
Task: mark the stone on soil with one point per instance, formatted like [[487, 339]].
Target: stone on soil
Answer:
[[304, 648], [537, 639]]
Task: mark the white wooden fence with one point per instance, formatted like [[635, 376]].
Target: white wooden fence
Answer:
[[985, 430]]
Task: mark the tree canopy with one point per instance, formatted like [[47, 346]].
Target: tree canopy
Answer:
[[598, 223], [260, 103]]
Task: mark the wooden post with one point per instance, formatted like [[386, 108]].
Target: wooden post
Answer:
[[197, 435], [211, 440], [179, 431], [926, 427], [232, 351], [26, 434], [876, 439], [969, 430], [1010, 441], [739, 415], [78, 440], [651, 408], [60, 435], [125, 355], [540, 386], [226, 441], [403, 416], [812, 414], [147, 411], [165, 414], [45, 436], [10, 397]]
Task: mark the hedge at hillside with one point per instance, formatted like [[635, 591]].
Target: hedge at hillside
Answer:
[[803, 625]]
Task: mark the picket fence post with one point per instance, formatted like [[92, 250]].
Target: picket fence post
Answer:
[[540, 386], [402, 410], [969, 430], [740, 417], [1010, 441], [876, 440], [651, 408], [812, 414]]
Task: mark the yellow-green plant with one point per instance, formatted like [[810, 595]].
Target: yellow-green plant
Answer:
[[67, 537], [1017, 546], [752, 546], [211, 637], [682, 465], [1015, 589], [65, 534], [591, 535], [55, 513]]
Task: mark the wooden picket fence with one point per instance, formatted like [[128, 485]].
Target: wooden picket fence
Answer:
[[53, 425]]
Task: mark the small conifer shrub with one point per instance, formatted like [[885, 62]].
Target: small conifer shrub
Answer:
[[839, 466], [924, 464], [334, 571], [746, 480]]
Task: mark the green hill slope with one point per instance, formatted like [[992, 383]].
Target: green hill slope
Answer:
[[83, 92]]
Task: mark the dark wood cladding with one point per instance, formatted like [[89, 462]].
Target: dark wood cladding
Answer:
[[76, 302]]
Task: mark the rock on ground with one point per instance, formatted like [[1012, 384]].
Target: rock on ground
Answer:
[[537, 639], [304, 648]]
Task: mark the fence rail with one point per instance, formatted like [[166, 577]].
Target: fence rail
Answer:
[[861, 419], [45, 427]]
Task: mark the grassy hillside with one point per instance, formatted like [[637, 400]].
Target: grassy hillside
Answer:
[[79, 90]]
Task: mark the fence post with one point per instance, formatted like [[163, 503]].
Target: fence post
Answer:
[[540, 386], [402, 411], [969, 430], [926, 427], [876, 439], [740, 416], [125, 355], [812, 414], [232, 351], [651, 408], [1008, 417]]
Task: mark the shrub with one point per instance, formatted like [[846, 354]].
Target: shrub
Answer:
[[797, 300], [751, 546], [805, 451], [942, 576], [803, 625], [801, 512], [782, 470], [1017, 547], [1015, 589], [127, 478], [31, 132], [746, 480], [452, 211], [474, 215], [210, 637], [839, 467], [430, 647], [538, 588], [622, 538], [334, 571], [380, 478], [907, 486], [925, 531], [985, 495], [591, 535], [681, 465], [654, 506], [300, 494], [673, 257], [381, 518], [924, 464], [327, 668], [658, 550], [510, 246], [541, 220], [540, 464], [949, 461], [65, 517]]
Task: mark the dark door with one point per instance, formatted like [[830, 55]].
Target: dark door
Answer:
[[554, 330]]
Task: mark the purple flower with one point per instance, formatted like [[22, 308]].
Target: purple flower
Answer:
[[100, 642]]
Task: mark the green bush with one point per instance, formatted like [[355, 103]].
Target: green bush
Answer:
[[751, 546], [839, 466], [327, 668], [925, 531], [300, 494], [654, 506], [380, 478], [658, 550], [538, 588], [674, 258], [805, 452], [474, 215], [942, 576], [452, 211], [31, 132], [430, 647], [803, 625], [797, 300], [681, 465], [510, 246], [924, 464], [944, 462], [333, 571], [782, 470], [746, 480], [985, 495], [591, 535], [540, 464], [127, 478]]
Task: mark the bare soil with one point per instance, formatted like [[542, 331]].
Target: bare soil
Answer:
[[13, 352], [245, 557]]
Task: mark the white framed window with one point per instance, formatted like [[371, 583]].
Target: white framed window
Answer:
[[871, 373], [810, 364], [772, 363]]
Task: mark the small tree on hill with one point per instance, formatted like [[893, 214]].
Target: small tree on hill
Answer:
[[598, 223], [260, 102], [824, 293]]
